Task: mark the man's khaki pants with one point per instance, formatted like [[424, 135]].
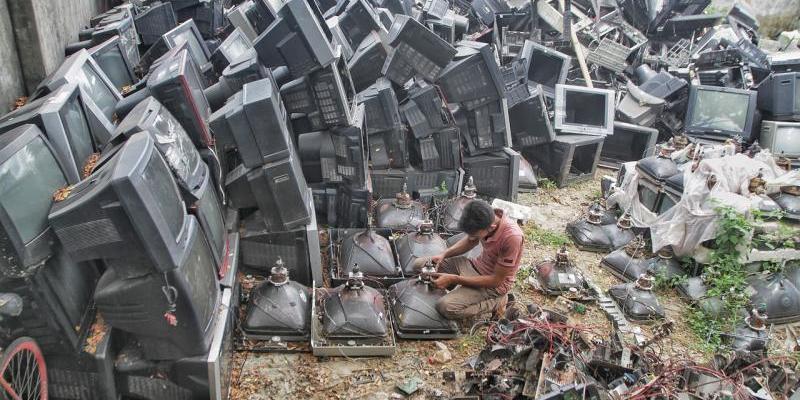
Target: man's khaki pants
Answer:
[[465, 302]]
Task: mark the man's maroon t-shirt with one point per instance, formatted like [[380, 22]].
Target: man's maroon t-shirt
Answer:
[[502, 249]]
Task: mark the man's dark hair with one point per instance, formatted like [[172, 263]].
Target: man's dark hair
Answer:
[[477, 215]]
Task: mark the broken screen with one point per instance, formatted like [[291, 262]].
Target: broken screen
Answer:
[[715, 110]]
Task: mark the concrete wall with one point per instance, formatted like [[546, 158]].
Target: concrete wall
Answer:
[[11, 85], [41, 30]]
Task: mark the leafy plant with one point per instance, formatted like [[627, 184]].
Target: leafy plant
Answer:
[[545, 237], [663, 282], [547, 185], [725, 278]]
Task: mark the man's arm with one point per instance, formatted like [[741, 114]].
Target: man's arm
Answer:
[[479, 281], [504, 267], [462, 246]]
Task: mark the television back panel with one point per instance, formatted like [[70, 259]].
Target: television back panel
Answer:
[[280, 192], [367, 61], [157, 20], [267, 137], [779, 96], [484, 128], [530, 122], [496, 175], [388, 182], [569, 159], [388, 149], [628, 143]]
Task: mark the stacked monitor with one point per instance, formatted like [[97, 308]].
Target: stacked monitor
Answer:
[[65, 117]]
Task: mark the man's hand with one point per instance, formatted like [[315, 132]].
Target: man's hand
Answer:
[[437, 259], [444, 281]]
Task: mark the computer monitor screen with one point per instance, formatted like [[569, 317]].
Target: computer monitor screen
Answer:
[[29, 175], [572, 103], [111, 58], [545, 66], [719, 111], [131, 208], [781, 138]]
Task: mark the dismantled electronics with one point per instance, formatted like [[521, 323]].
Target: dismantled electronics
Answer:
[[414, 312], [560, 276], [351, 319], [635, 258], [279, 309], [370, 251], [400, 213], [637, 299], [455, 207], [414, 249], [590, 234]]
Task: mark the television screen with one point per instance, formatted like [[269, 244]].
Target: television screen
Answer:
[[781, 138], [171, 140], [111, 58], [29, 175], [545, 66], [572, 103], [80, 68], [718, 111], [236, 46], [187, 33], [133, 203]]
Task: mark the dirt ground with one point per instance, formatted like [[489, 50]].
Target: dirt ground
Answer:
[[302, 376]]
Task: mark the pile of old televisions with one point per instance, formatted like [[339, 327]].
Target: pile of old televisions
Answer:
[[183, 142]]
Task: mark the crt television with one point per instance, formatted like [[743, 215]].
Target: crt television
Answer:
[[235, 47], [155, 20], [779, 96], [187, 33], [112, 59], [628, 143], [29, 176], [781, 138], [572, 103], [130, 208], [81, 68], [260, 126], [719, 113], [171, 140], [545, 66], [63, 116], [297, 38], [178, 85], [472, 75], [135, 303]]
